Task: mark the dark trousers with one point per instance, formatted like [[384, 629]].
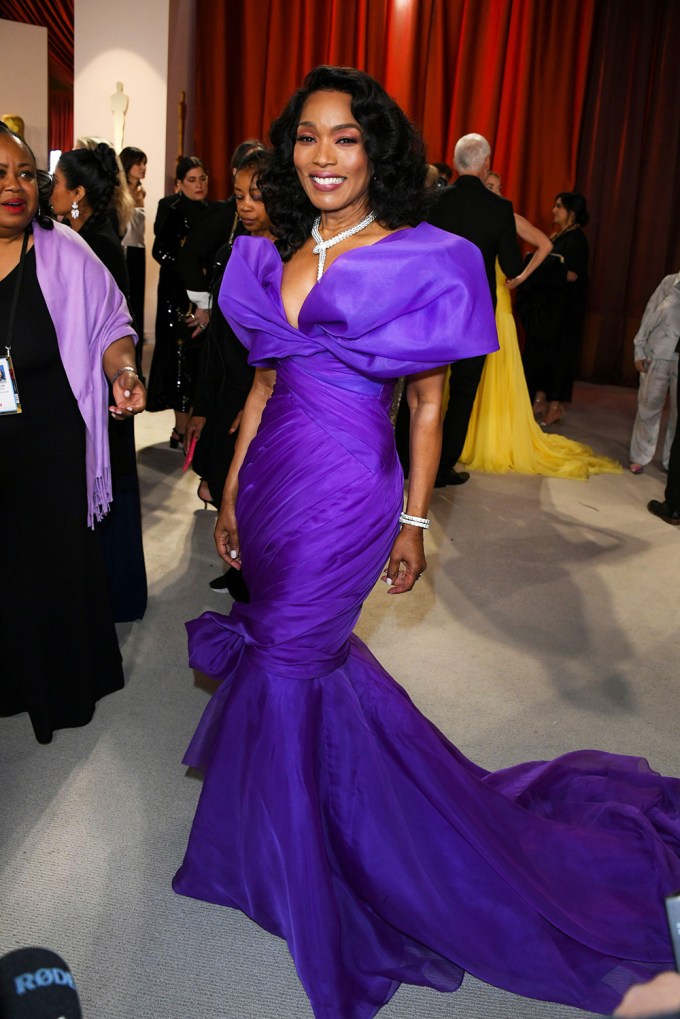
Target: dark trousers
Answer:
[[463, 383], [672, 495]]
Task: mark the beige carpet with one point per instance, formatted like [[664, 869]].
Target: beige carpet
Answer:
[[547, 621]]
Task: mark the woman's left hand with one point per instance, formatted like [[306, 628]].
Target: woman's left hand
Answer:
[[129, 394], [407, 560], [236, 423]]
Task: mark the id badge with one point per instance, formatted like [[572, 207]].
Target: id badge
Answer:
[[9, 394]]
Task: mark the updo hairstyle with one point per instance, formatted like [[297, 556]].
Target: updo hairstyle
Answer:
[[575, 203], [257, 160], [187, 163], [95, 170]]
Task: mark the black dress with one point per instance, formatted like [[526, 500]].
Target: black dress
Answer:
[[176, 353], [223, 383], [58, 648], [552, 311], [121, 528], [573, 247]]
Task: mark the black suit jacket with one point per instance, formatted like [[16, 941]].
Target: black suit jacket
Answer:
[[197, 255], [469, 209]]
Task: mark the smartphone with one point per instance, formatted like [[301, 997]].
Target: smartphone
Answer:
[[673, 915], [190, 453]]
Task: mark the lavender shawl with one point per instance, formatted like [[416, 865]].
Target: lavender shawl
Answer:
[[89, 313]]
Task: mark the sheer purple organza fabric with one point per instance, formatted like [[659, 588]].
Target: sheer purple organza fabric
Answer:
[[332, 812]]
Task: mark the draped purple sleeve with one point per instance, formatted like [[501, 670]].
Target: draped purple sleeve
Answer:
[[413, 301], [89, 313]]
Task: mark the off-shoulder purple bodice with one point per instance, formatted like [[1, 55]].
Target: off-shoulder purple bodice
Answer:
[[414, 300]]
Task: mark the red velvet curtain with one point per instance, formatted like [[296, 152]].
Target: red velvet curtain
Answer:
[[454, 65], [628, 161], [578, 95], [57, 17]]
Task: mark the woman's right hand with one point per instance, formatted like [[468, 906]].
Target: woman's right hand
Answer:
[[195, 426], [197, 321], [226, 528], [642, 365], [226, 533]]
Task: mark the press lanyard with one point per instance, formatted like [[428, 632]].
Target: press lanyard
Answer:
[[15, 295], [9, 394]]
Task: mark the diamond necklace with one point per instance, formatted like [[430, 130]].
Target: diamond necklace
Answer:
[[322, 246]]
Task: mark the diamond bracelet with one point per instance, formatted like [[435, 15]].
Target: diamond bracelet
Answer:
[[406, 518], [121, 371]]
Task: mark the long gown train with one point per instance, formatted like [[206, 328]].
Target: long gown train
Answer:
[[332, 811], [502, 434]]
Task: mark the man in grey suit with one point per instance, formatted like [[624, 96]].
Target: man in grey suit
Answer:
[[669, 509], [468, 209]]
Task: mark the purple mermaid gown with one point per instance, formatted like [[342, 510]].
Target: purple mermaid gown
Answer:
[[332, 812]]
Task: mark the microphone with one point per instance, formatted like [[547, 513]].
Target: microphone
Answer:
[[36, 983]]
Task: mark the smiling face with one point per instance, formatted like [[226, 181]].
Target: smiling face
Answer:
[[329, 155], [195, 184], [18, 187], [249, 204]]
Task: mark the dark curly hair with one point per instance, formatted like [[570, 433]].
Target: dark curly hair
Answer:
[[95, 170], [392, 144], [576, 203]]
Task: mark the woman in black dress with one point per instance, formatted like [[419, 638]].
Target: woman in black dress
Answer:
[[85, 183], [59, 648], [134, 164], [552, 305], [178, 332], [225, 377]]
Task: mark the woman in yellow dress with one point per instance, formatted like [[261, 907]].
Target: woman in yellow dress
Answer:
[[503, 434]]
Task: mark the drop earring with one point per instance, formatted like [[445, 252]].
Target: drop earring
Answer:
[[75, 211]]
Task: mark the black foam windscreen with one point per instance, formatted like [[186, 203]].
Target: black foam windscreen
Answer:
[[36, 983]]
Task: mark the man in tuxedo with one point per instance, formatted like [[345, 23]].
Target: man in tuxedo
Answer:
[[468, 209]]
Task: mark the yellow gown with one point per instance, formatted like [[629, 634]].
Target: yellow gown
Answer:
[[503, 434]]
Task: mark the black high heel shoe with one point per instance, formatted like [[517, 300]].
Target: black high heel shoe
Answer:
[[233, 582], [176, 439], [201, 485]]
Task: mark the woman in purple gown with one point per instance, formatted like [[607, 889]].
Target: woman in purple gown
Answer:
[[332, 812]]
